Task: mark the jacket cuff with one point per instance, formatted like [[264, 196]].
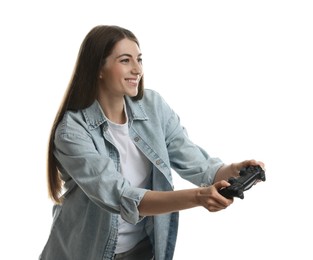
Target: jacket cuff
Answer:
[[129, 204]]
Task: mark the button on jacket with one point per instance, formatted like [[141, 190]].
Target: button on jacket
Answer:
[[85, 226]]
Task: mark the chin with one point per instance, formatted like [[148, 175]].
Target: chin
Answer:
[[132, 93]]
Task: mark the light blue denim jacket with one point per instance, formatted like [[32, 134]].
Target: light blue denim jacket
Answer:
[[85, 226]]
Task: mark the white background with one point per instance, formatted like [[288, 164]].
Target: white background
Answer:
[[239, 75]]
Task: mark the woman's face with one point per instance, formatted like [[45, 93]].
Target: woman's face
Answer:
[[122, 71]]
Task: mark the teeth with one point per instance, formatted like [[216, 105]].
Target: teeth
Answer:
[[132, 81]]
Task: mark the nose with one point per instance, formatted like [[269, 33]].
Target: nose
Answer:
[[137, 69]]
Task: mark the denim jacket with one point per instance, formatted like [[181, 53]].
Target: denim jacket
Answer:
[[85, 226]]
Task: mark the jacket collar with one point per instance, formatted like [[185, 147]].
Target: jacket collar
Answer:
[[95, 116]]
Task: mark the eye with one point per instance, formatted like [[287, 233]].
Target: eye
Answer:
[[139, 60], [125, 60]]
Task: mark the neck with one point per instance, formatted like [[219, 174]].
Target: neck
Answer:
[[113, 109]]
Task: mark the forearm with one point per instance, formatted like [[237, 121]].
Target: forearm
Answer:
[[160, 202]]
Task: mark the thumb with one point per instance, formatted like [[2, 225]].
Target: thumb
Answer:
[[221, 184]]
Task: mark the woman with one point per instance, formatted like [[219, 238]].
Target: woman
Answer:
[[111, 150]]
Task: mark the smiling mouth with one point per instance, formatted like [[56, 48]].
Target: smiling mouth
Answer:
[[133, 81]]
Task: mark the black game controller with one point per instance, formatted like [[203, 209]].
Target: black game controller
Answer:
[[248, 176]]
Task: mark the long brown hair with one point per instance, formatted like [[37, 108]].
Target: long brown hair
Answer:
[[82, 88]]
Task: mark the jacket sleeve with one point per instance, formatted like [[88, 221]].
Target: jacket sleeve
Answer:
[[188, 159], [96, 174]]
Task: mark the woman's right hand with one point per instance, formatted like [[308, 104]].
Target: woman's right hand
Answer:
[[211, 199]]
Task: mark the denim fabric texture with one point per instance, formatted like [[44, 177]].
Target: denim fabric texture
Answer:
[[85, 225]]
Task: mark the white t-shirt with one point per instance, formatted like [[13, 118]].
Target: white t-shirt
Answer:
[[136, 168]]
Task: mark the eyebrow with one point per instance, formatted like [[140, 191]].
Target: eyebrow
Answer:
[[128, 55]]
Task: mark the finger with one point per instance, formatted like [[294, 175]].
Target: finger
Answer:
[[224, 202], [218, 206], [254, 162], [247, 163], [221, 184], [220, 201], [261, 164]]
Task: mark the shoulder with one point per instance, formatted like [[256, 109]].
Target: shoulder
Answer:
[[71, 123], [151, 93], [155, 107], [152, 98], [152, 103], [83, 120]]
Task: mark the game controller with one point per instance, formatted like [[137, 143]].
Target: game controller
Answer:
[[248, 176]]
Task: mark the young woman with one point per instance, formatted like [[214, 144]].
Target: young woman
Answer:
[[112, 148]]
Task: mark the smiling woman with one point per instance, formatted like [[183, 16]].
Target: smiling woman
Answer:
[[112, 148], [119, 77]]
